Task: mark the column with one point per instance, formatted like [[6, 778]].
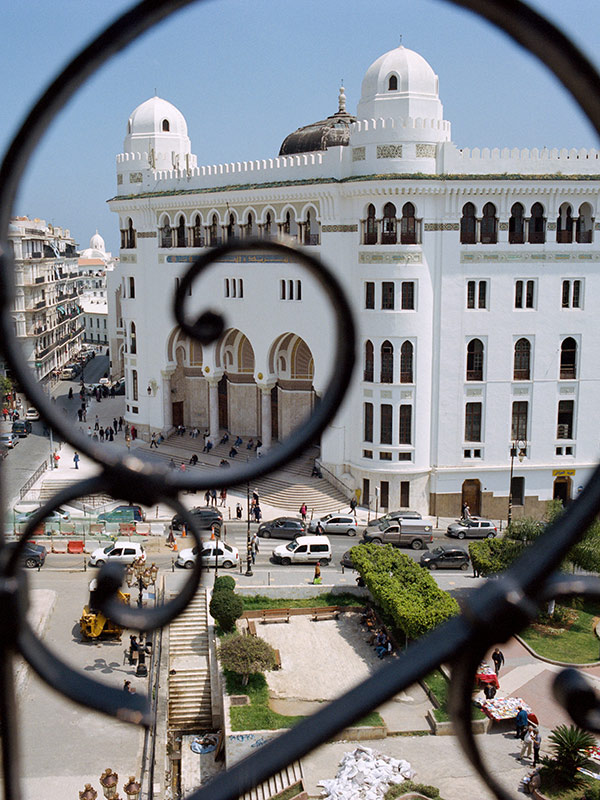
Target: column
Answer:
[[213, 409], [167, 407], [265, 403]]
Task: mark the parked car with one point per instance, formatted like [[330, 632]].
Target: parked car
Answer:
[[392, 516], [445, 557], [472, 528], [9, 440], [32, 556], [22, 427], [206, 518], [281, 528], [121, 552], [57, 515], [407, 533], [130, 513], [224, 554], [304, 550], [32, 414], [335, 523], [67, 374]]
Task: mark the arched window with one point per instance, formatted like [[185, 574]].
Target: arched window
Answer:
[[522, 360], [250, 229], [130, 235], [406, 362], [537, 225], [408, 225], [181, 237], [584, 224], [166, 234], [231, 228], [214, 231], [516, 225], [165, 125], [369, 357], [489, 225], [134, 384], [393, 83], [387, 363], [198, 239], [268, 224], [468, 225], [371, 226], [311, 235], [568, 359], [564, 225], [475, 360], [132, 340], [388, 233]]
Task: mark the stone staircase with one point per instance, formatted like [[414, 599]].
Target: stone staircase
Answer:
[[277, 783], [51, 487], [189, 696]]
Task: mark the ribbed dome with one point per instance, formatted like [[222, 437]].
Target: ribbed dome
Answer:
[[97, 243], [156, 116], [331, 132]]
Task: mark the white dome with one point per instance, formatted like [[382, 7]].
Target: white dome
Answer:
[[156, 116], [97, 243], [413, 74]]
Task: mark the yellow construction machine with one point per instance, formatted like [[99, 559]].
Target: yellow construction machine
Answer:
[[93, 624]]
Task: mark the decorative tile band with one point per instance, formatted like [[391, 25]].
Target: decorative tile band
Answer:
[[551, 226], [389, 151], [386, 394], [339, 228], [390, 258], [135, 177], [129, 258], [147, 234], [368, 392], [442, 226], [474, 392], [426, 151], [238, 258], [358, 153], [119, 179], [503, 226], [479, 258]]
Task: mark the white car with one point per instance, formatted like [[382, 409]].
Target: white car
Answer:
[[9, 439], [122, 552], [214, 553], [335, 523], [32, 414]]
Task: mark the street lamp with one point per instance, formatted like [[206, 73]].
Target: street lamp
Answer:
[[109, 781], [133, 788], [145, 576], [519, 449], [248, 535], [88, 793]]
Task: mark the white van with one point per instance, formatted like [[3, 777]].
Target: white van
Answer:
[[304, 550], [67, 373]]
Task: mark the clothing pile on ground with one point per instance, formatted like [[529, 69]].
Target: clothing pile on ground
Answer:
[[365, 774]]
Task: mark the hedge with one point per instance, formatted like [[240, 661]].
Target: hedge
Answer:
[[404, 591], [226, 607]]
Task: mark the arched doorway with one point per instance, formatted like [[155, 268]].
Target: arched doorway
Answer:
[[238, 393], [562, 489], [471, 495], [292, 401]]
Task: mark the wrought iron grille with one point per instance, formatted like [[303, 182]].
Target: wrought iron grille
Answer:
[[494, 612]]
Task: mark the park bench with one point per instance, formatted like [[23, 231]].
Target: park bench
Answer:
[[324, 613], [277, 659], [251, 627], [275, 615]]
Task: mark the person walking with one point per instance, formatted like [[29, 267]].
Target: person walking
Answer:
[[115, 424], [101, 434], [498, 659], [172, 464], [76, 459], [153, 442], [223, 497], [319, 528], [527, 745], [521, 722], [56, 459], [120, 423], [353, 504], [466, 511], [303, 511], [238, 511], [111, 434], [537, 743], [257, 512], [317, 576]]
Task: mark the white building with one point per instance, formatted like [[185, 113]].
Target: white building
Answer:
[[472, 275], [94, 263], [47, 310]]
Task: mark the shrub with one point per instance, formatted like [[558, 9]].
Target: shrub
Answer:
[[398, 789], [567, 745], [246, 655], [226, 607], [224, 582]]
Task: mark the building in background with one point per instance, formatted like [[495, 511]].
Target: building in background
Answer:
[[472, 274], [47, 310], [94, 264]]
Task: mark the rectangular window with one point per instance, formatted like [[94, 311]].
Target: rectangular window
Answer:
[[369, 294], [367, 454], [471, 294], [408, 296], [241, 287], [482, 299], [104, 324], [298, 290], [384, 494], [282, 290], [529, 298], [519, 294], [387, 295], [571, 294], [564, 427], [518, 428], [131, 287], [385, 456], [476, 294], [290, 290], [525, 294], [405, 426], [368, 422], [134, 384], [517, 491], [404, 494], [226, 285], [404, 456], [385, 426], [473, 422]]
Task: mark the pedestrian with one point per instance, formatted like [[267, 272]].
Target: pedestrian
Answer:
[[213, 497], [255, 495], [101, 434], [257, 512], [95, 436], [127, 687], [133, 648], [255, 541], [250, 444], [97, 423], [317, 577], [56, 459], [253, 551], [319, 528], [128, 441], [182, 466], [172, 464], [238, 511], [223, 496], [133, 433], [303, 511], [80, 415], [76, 459], [353, 504], [127, 429], [70, 392], [120, 423], [193, 459], [498, 659], [153, 441], [537, 743], [111, 434], [89, 431], [113, 391], [527, 745], [466, 511], [521, 722], [115, 424], [207, 497]]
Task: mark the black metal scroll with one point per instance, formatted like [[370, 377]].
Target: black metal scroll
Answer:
[[495, 612]]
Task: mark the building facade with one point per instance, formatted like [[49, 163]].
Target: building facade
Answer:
[[94, 263], [47, 309], [472, 275]]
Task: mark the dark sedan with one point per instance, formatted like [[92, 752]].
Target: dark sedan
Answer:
[[205, 518], [33, 555], [281, 528], [445, 558]]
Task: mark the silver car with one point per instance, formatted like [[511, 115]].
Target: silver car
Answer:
[[335, 523], [472, 528]]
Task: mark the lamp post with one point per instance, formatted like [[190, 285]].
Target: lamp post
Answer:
[[109, 781], [518, 448], [145, 576], [248, 536]]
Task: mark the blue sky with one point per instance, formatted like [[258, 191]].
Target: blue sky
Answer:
[[245, 74]]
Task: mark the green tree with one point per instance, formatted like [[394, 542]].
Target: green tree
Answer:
[[224, 582], [568, 745], [246, 655], [226, 607]]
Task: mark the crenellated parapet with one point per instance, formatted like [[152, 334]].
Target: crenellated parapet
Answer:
[[520, 161]]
